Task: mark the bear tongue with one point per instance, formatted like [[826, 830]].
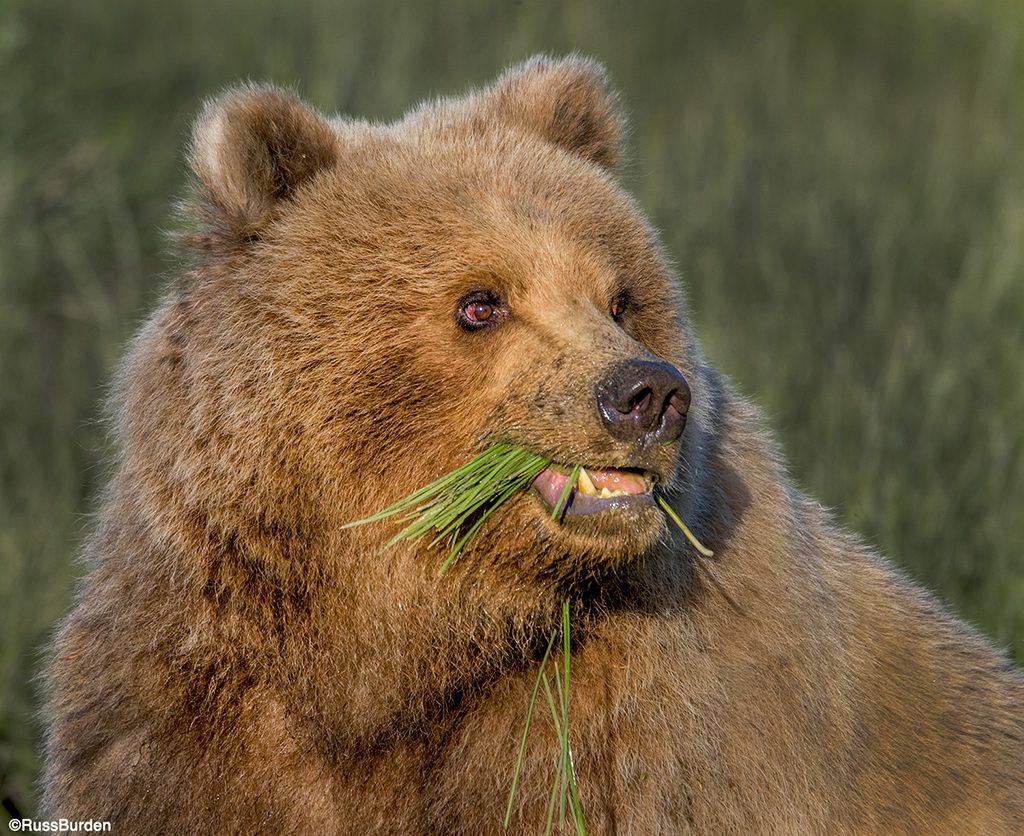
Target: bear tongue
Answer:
[[550, 484], [618, 480]]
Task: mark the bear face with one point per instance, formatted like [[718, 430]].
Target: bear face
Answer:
[[358, 255]]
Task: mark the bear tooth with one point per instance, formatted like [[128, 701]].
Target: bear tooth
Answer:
[[606, 494], [585, 485]]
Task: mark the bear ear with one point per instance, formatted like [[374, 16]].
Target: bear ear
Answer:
[[252, 148], [566, 101]]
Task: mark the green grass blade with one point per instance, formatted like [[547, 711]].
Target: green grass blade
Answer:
[[561, 779], [563, 694], [570, 766], [520, 479], [463, 507], [451, 483], [557, 783], [682, 526], [460, 544], [446, 505], [557, 511], [405, 503], [526, 730]]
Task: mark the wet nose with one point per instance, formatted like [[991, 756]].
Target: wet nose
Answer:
[[643, 401]]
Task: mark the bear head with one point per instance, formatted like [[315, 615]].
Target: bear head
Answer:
[[375, 304]]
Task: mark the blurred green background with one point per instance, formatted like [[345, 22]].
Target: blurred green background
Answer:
[[840, 184]]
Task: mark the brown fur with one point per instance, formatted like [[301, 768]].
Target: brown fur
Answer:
[[238, 662]]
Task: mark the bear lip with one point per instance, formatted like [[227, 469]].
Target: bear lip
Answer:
[[635, 487]]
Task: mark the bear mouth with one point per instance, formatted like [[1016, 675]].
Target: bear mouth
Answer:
[[596, 489]]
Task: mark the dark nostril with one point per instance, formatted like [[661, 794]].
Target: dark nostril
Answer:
[[643, 401], [680, 400], [639, 401]]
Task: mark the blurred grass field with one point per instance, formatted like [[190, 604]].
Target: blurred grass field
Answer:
[[840, 184]]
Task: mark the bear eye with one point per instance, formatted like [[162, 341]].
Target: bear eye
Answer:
[[478, 310], [619, 306]]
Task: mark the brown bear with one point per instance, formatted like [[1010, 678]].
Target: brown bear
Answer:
[[371, 305]]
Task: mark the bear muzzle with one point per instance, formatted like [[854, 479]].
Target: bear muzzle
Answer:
[[643, 401]]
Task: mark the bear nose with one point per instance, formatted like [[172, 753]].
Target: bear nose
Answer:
[[643, 401]]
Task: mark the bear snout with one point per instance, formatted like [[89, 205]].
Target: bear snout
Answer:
[[643, 401]]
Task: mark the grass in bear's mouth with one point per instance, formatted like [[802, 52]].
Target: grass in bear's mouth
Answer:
[[454, 507]]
